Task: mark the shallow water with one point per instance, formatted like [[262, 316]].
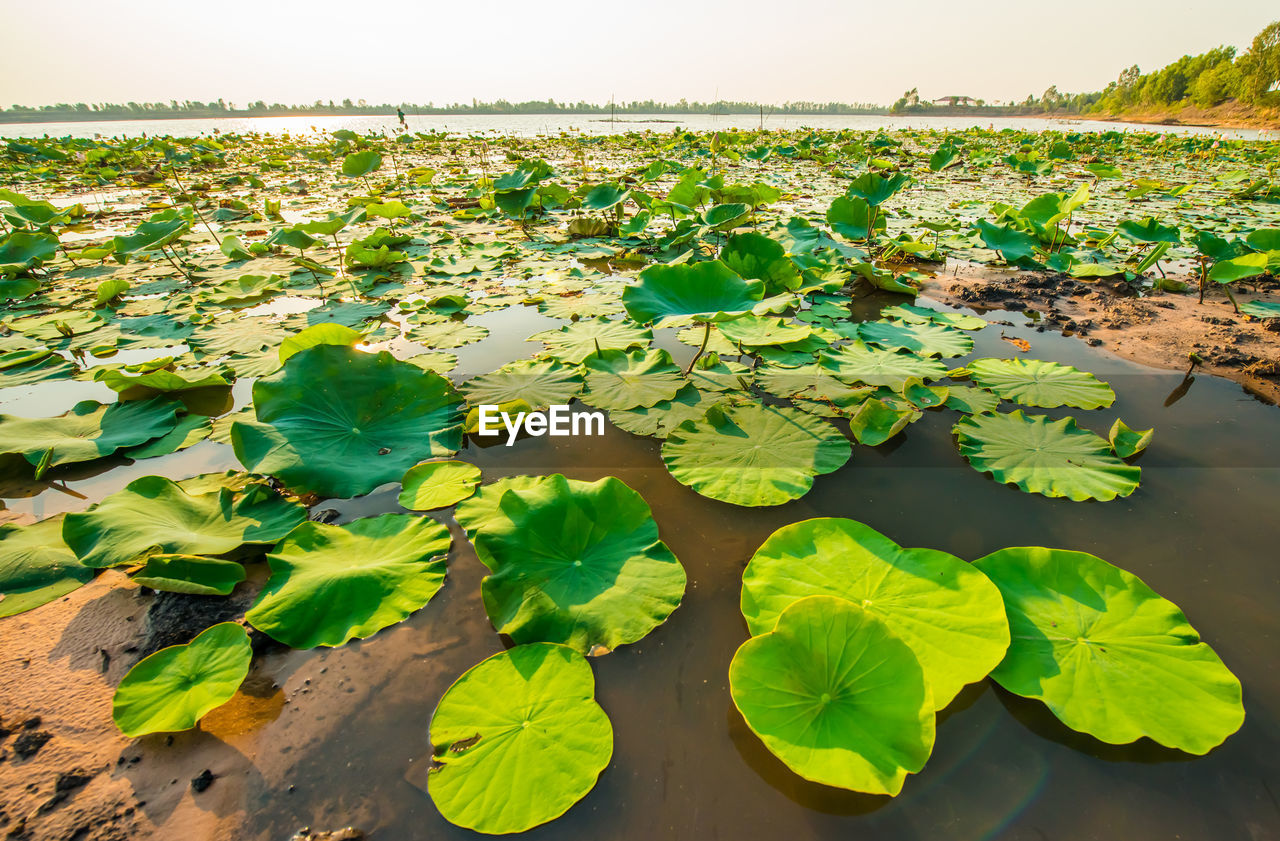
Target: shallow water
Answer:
[[529, 125], [1200, 530]]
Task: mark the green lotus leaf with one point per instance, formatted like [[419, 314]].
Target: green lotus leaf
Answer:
[[1015, 246], [193, 574], [326, 333], [757, 257], [57, 326], [759, 331], [1126, 442], [538, 382], [853, 218], [1148, 230], [1107, 655], [913, 314], [753, 455], [710, 373], [339, 422], [1239, 268], [708, 291], [858, 363], [241, 291], [89, 431], [1035, 382], [1261, 309], [577, 563], [359, 164], [447, 334], [438, 484], [17, 288], [154, 515], [875, 421], [151, 235], [190, 430], [809, 382], [27, 249], [173, 689], [619, 380], [134, 384], [725, 217], [517, 740], [835, 694], [971, 400], [480, 509], [920, 339], [659, 419], [36, 566], [573, 343], [875, 188], [604, 197], [330, 584], [1039, 455], [948, 612]]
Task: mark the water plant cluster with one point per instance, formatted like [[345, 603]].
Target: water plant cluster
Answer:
[[300, 310]]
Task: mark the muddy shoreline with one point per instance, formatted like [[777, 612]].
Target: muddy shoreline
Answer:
[[1163, 330]]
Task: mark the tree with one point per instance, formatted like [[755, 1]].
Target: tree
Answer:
[[1260, 67]]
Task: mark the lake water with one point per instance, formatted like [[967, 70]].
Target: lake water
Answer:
[[528, 125]]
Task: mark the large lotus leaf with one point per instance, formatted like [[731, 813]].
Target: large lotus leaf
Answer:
[[808, 382], [620, 380], [948, 612], [578, 563], [538, 382], [151, 235], [89, 431], [1039, 455], [58, 326], [481, 509], [1148, 230], [659, 419], [173, 688], [753, 454], [875, 188], [517, 740], [759, 331], [708, 291], [340, 422], [36, 566], [359, 164], [1239, 268], [28, 366], [154, 515], [575, 342], [921, 339], [438, 484], [852, 218], [133, 384], [710, 373], [859, 363], [330, 584], [834, 693], [1035, 382], [913, 314], [1261, 309], [191, 574], [324, 333], [757, 257], [447, 334], [1015, 246], [23, 250], [1107, 654]]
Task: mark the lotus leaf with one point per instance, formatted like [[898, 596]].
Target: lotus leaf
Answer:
[[438, 484], [1035, 382], [330, 584], [36, 566], [708, 291], [620, 380], [89, 431]]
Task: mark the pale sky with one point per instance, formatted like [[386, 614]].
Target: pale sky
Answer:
[[428, 51]]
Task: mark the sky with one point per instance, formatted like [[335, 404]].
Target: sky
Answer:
[[424, 51]]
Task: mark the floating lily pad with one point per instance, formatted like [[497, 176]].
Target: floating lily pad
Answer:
[[708, 291], [858, 363], [921, 339], [1035, 382], [1107, 654], [1039, 455], [618, 380], [36, 566], [339, 422], [753, 454], [518, 739], [154, 515], [837, 696], [89, 431], [438, 484], [538, 382], [575, 342], [173, 689], [948, 612], [193, 574], [330, 584], [578, 563]]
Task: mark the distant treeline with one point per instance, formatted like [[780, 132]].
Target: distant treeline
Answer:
[[221, 109], [1204, 80]]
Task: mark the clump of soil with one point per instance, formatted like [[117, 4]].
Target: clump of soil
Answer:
[[1165, 330]]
